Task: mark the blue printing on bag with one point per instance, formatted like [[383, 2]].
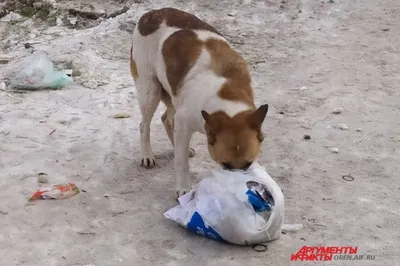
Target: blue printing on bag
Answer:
[[258, 203], [197, 226]]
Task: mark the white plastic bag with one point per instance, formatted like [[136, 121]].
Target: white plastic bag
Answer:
[[239, 207], [38, 73]]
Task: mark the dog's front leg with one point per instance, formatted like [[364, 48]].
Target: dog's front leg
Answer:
[[182, 136]]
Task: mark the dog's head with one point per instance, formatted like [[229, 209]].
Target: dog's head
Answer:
[[234, 142]]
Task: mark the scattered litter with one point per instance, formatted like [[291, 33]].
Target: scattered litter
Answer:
[[387, 29], [359, 129], [43, 178], [260, 247], [348, 178], [303, 88], [337, 111], [340, 126], [52, 132], [334, 149], [38, 73], [121, 115], [62, 191], [306, 137], [239, 207], [106, 196]]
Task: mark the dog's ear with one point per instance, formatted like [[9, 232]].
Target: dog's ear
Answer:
[[205, 115], [257, 117], [211, 127]]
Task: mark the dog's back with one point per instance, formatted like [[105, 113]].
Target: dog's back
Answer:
[[193, 62]]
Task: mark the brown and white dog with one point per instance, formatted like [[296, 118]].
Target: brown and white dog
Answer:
[[206, 86]]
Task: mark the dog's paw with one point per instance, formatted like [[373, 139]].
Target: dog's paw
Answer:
[[148, 162], [191, 152], [180, 192]]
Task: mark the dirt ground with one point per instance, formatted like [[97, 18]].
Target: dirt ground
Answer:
[[308, 58]]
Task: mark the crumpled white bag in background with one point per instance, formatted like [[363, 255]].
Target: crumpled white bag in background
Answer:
[[239, 207]]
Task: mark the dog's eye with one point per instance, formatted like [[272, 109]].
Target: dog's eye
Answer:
[[227, 166], [248, 164]]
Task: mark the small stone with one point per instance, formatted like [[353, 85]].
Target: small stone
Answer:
[[59, 22], [334, 150], [260, 247], [106, 196], [72, 20], [359, 129], [121, 115], [306, 137], [43, 178], [28, 45], [37, 5], [3, 86], [340, 126], [232, 13], [337, 111], [303, 88], [90, 84]]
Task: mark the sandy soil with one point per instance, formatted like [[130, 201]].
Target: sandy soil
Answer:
[[308, 58]]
